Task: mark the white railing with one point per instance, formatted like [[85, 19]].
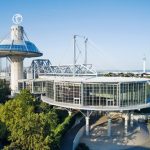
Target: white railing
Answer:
[[103, 108], [78, 137]]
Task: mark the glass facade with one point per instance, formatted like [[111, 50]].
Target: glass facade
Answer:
[[100, 94], [33, 87], [122, 94], [37, 86], [50, 89], [148, 93], [20, 86], [68, 92], [132, 93]]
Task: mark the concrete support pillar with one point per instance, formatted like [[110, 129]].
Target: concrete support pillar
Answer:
[[70, 113], [109, 127], [126, 124], [87, 125], [16, 73], [131, 119], [87, 129]]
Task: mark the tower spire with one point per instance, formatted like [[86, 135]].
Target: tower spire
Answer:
[[85, 61]]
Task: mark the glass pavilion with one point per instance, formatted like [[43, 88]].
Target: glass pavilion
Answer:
[[97, 92]]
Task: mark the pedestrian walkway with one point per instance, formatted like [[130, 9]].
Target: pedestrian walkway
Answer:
[[98, 139]]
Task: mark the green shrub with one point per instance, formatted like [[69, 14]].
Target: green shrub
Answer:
[[4, 91], [63, 128]]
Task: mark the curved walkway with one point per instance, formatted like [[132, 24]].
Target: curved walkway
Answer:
[[67, 141]]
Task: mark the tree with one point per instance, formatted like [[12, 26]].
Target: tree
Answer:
[[28, 130], [3, 134], [4, 91], [27, 123]]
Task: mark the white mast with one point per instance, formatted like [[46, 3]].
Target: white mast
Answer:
[[74, 57], [85, 61], [144, 64]]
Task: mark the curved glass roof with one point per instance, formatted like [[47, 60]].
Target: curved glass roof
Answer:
[[25, 47]]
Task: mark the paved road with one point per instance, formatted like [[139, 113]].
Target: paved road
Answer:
[[67, 141]]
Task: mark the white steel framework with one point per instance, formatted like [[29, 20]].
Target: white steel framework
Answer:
[[43, 67]]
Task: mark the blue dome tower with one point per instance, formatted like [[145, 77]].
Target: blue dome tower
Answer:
[[17, 48]]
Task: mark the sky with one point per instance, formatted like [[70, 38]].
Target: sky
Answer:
[[118, 31]]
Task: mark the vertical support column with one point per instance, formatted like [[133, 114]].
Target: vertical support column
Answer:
[[109, 128], [85, 61], [119, 94], [70, 113], [87, 118], [42, 87], [126, 124], [74, 58], [16, 73], [23, 87], [32, 84], [131, 119], [81, 93], [87, 123], [128, 93], [138, 93], [54, 88], [46, 85]]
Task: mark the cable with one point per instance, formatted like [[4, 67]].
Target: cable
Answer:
[[91, 43], [5, 37], [26, 35], [79, 52], [66, 50]]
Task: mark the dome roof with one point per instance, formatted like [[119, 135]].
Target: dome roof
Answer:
[[16, 45], [9, 47]]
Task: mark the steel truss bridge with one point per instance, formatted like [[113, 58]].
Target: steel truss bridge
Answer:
[[41, 67]]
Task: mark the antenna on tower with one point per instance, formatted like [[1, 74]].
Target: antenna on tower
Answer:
[[74, 57], [85, 61], [144, 64]]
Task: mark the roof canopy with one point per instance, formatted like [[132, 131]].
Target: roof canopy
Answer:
[[16, 45]]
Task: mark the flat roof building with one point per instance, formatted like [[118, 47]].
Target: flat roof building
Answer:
[[92, 93]]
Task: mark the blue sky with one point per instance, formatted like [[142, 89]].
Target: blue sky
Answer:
[[118, 30]]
